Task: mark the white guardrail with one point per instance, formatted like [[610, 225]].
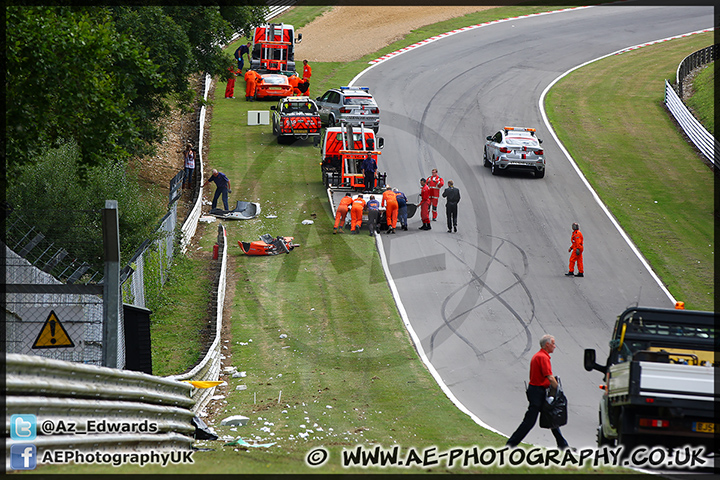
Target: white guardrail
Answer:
[[209, 367], [698, 135]]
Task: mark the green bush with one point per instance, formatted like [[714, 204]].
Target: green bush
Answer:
[[50, 195]]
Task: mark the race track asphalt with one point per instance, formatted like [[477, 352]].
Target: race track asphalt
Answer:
[[479, 300]]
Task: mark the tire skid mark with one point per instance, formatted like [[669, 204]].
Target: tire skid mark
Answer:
[[449, 322]]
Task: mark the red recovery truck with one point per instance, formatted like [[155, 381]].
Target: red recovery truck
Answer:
[[274, 49], [296, 118], [343, 150]]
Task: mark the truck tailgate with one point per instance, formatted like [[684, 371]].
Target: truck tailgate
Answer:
[[689, 382]]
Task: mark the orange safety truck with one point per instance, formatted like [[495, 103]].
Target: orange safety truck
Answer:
[[296, 118], [343, 150], [274, 49]]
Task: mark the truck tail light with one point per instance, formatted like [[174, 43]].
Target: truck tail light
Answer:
[[654, 423], [375, 110], [344, 110], [504, 150], [539, 152]]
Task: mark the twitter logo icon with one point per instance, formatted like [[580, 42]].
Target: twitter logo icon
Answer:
[[23, 427]]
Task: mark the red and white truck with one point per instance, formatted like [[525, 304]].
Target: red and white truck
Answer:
[[273, 49], [343, 150]]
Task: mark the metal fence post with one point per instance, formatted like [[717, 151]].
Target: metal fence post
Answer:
[[111, 284]]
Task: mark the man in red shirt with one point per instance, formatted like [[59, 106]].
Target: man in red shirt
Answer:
[[541, 378], [435, 183], [424, 205]]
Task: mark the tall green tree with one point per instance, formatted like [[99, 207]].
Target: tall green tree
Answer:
[[102, 76]]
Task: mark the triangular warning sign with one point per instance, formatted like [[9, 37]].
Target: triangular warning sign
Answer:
[[53, 334]]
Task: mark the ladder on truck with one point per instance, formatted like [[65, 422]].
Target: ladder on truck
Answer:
[[351, 159], [274, 50]]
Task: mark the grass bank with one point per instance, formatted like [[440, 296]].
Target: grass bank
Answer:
[[611, 118]]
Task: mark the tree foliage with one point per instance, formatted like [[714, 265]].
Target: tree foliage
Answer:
[[102, 76], [48, 196]]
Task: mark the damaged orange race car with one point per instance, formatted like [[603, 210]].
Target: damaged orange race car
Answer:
[[273, 85], [268, 245]]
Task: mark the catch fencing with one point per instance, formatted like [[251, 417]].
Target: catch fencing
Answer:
[[62, 325], [62, 393], [695, 131], [693, 61]]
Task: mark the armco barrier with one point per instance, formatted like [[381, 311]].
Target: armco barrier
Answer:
[[146, 412], [698, 135], [209, 366], [693, 61]]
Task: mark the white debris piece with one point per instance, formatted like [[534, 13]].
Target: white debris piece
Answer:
[[235, 420], [241, 387], [283, 335], [307, 222]]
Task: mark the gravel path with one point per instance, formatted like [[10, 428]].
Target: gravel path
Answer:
[[347, 33]]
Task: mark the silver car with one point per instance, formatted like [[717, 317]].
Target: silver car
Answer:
[[514, 148], [353, 105]]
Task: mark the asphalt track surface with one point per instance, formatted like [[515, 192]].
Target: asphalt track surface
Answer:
[[480, 299]]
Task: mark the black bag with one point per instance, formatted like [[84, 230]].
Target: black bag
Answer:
[[554, 413]]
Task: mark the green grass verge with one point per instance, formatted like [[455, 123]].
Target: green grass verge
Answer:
[[702, 102], [611, 118], [178, 322]]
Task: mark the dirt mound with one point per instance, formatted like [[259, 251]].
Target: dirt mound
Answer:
[[347, 33]]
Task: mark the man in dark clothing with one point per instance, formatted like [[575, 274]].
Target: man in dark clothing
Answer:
[[373, 208], [402, 208], [369, 170], [453, 197], [541, 378], [222, 187], [242, 50]]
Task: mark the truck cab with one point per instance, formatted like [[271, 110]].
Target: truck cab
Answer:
[[343, 150], [659, 379], [274, 49]]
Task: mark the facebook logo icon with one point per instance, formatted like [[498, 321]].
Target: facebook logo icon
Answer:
[[23, 456], [23, 427]]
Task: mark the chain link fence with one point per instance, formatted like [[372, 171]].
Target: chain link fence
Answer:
[[43, 317]]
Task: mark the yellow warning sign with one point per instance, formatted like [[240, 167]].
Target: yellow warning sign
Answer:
[[53, 334]]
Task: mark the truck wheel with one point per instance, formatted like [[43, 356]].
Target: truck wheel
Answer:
[[331, 121], [628, 442], [540, 173], [494, 170], [486, 162], [602, 440]]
